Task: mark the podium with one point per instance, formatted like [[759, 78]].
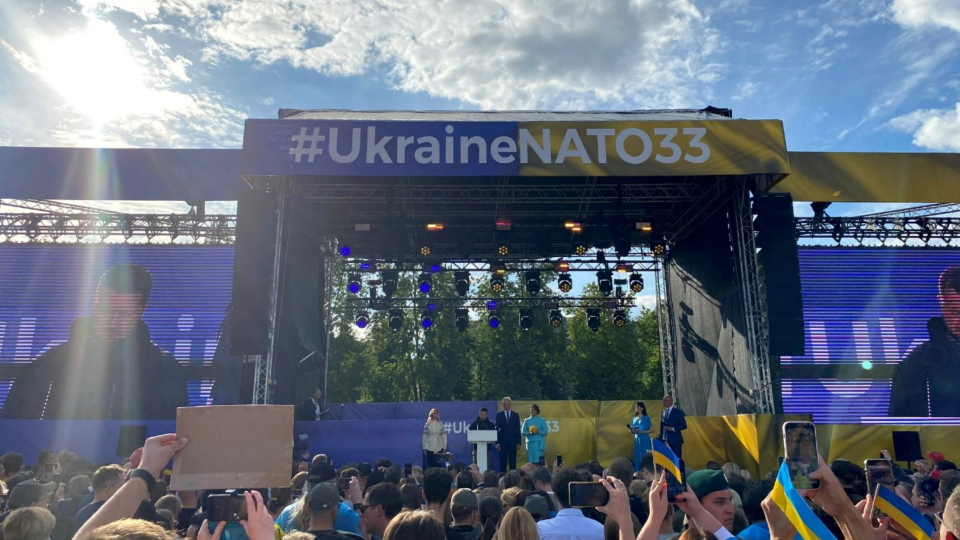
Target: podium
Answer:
[[481, 438]]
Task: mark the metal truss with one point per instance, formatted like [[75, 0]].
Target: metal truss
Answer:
[[925, 229], [263, 368], [648, 264], [53, 207], [704, 206], [217, 229], [668, 359], [926, 210], [485, 303], [754, 304]]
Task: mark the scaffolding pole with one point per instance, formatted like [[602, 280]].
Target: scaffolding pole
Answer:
[[668, 359], [263, 381]]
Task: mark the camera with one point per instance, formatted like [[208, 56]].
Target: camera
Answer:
[[445, 456]]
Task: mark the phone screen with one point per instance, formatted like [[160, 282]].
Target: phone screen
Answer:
[[588, 494], [801, 455], [879, 473], [407, 470], [559, 459], [226, 507], [542, 462]]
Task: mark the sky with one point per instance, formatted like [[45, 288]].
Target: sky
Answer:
[[842, 75]]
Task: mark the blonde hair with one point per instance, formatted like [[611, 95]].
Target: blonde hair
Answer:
[[171, 503], [29, 524], [130, 529], [78, 486], [430, 415], [297, 535], [518, 524], [509, 496], [414, 525]]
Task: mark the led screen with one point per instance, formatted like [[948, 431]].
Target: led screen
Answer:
[[45, 288], [866, 312]]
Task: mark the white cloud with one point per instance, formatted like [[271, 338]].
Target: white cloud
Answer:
[[746, 90], [920, 13], [936, 129], [489, 53]]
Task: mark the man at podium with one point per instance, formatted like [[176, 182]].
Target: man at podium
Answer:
[[483, 423]]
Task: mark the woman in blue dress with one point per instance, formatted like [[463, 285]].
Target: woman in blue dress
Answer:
[[641, 427], [535, 430]]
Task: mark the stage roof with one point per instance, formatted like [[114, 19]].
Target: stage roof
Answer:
[[710, 113]]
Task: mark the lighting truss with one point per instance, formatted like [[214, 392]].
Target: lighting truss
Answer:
[[483, 303], [639, 265], [216, 229], [925, 229]]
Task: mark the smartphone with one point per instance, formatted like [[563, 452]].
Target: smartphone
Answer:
[[588, 494], [630, 428], [407, 470], [226, 507], [929, 489], [674, 487], [559, 460], [801, 454], [542, 462], [879, 473]]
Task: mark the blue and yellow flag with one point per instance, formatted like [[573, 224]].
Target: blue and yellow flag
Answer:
[[664, 457], [807, 523], [888, 502]]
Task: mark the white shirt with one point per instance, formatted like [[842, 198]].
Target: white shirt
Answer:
[[434, 436], [570, 524]]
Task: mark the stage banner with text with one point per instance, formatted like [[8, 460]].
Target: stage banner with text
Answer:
[[495, 149]]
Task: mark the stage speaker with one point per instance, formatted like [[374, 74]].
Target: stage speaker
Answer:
[[906, 446], [252, 272], [780, 273]]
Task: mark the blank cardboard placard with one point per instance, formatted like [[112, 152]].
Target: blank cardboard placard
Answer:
[[234, 447]]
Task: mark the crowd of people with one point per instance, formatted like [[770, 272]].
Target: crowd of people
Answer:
[[64, 496]]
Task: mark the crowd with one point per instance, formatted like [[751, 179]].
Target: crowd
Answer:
[[64, 496]]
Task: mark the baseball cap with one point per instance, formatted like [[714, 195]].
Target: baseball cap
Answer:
[[323, 497], [936, 457], [365, 469], [465, 499], [28, 492], [321, 472], [537, 506]]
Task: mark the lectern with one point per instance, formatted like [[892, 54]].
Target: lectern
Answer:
[[481, 438]]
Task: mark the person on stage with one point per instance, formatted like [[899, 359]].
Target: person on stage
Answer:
[[508, 436], [535, 430], [483, 423], [672, 424], [434, 439], [641, 427]]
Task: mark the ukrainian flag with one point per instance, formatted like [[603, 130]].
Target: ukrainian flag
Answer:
[[664, 457], [784, 495], [888, 502]]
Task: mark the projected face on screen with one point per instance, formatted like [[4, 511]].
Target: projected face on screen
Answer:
[[882, 329], [114, 314]]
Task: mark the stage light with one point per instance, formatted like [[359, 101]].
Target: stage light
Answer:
[[363, 319], [526, 319], [644, 226], [345, 251], [926, 229], [636, 282], [492, 305], [436, 268], [462, 282], [389, 278], [494, 320], [353, 284], [396, 319], [622, 247], [658, 247], [434, 226], [565, 282], [556, 318], [503, 249], [365, 266], [496, 283], [361, 227], [563, 266], [426, 282], [533, 281], [462, 319], [605, 281], [593, 319], [580, 249], [424, 250], [504, 226], [619, 318], [426, 320], [623, 268], [838, 229]]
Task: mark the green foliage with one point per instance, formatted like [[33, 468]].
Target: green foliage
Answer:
[[413, 364]]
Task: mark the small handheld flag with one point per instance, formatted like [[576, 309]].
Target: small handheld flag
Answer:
[[888, 502], [789, 501], [664, 457]]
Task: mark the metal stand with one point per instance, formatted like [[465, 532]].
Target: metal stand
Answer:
[[263, 370], [754, 304], [668, 358]]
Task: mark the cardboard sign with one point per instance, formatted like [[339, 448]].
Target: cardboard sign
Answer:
[[234, 447]]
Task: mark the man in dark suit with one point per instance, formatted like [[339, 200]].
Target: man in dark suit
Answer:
[[672, 424], [310, 410], [508, 435]]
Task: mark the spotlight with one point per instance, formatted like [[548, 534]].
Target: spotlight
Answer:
[[363, 319], [526, 319], [462, 282], [619, 318], [593, 319], [503, 249], [496, 283], [462, 319], [494, 320], [658, 247], [926, 229], [565, 282], [425, 250], [605, 281], [622, 246], [389, 282], [426, 282], [345, 251], [426, 320], [838, 229], [396, 319], [556, 318], [636, 282], [623, 268], [353, 283], [580, 249], [533, 281]]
